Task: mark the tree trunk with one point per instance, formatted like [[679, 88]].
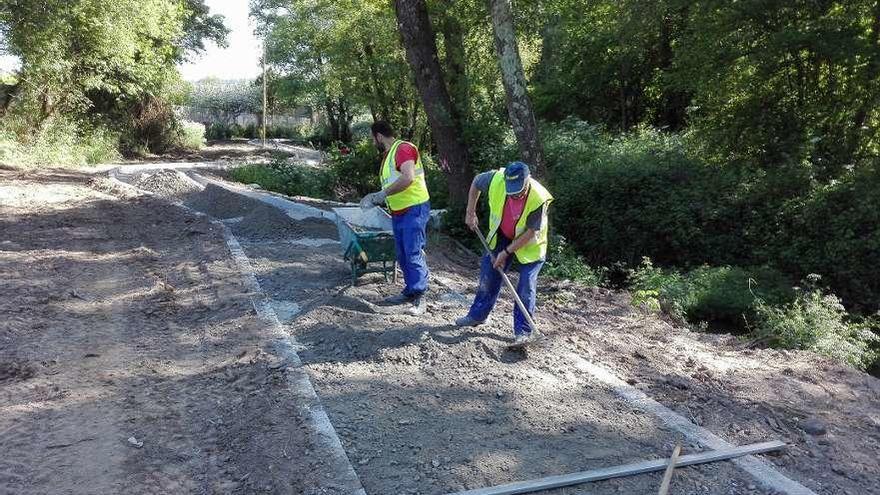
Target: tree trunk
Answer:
[[421, 53], [551, 37], [519, 107], [675, 102], [345, 118], [378, 86], [455, 66], [332, 119], [872, 72], [9, 94]]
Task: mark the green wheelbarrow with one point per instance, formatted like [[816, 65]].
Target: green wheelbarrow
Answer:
[[367, 242]]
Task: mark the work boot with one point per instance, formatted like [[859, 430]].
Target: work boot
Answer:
[[418, 306], [522, 338], [467, 321], [396, 300]]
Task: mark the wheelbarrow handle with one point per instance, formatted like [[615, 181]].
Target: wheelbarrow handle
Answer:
[[519, 303]]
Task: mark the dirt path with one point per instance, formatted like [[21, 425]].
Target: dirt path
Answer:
[[420, 407], [423, 407], [131, 360]]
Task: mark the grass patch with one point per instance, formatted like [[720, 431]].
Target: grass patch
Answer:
[[286, 178], [60, 144], [817, 321], [724, 296], [563, 263]]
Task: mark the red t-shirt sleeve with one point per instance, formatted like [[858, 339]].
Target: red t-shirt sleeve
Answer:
[[405, 153]]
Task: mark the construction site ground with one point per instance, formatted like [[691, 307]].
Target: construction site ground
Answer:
[[132, 360]]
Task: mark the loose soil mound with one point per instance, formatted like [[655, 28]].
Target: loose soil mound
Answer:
[[220, 203], [168, 183], [267, 223]]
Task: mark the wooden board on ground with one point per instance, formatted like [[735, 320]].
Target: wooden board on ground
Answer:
[[624, 470]]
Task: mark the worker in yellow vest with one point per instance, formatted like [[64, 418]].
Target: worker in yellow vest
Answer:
[[517, 231], [405, 193]]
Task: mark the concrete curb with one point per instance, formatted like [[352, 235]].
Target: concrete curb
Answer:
[[284, 346], [760, 470]]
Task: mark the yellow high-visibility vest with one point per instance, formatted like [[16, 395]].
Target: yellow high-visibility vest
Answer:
[[415, 194], [536, 249]]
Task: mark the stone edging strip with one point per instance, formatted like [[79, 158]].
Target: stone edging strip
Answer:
[[306, 400], [761, 471]]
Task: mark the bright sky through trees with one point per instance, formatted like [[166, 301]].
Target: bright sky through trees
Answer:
[[241, 60]]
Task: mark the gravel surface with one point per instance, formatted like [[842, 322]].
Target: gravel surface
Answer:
[[168, 183], [421, 407], [267, 223], [221, 203]]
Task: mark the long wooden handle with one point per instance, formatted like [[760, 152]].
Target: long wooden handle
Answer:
[[667, 477], [519, 303]]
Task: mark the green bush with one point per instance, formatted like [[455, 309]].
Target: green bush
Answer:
[[316, 136], [835, 231], [818, 322], [192, 135], [61, 143], [642, 194], [217, 132], [438, 185], [724, 295], [289, 179], [564, 263], [358, 170], [149, 126]]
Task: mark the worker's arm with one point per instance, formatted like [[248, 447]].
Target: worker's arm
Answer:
[[407, 176], [470, 216], [525, 238], [479, 185], [528, 236]]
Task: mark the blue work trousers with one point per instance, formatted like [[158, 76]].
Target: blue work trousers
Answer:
[[409, 238], [490, 286]]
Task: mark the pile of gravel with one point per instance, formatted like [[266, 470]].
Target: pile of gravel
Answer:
[[168, 183], [269, 223], [220, 203], [316, 228]]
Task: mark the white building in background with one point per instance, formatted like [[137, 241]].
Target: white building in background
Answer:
[[300, 116]]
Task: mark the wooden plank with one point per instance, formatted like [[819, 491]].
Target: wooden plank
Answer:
[[763, 472], [624, 470], [667, 476]]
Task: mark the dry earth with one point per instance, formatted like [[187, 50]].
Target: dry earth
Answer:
[[123, 316], [131, 360]]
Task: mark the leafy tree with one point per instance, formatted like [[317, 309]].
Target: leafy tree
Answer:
[[343, 57], [100, 61], [226, 100], [519, 106], [793, 81]]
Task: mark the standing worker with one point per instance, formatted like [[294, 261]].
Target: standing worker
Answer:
[[517, 229], [405, 192]]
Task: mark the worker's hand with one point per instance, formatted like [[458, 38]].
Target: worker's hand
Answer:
[[470, 219], [500, 260], [373, 199]]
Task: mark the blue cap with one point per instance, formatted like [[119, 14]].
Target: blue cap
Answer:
[[516, 176]]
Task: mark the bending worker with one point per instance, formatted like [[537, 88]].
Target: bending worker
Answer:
[[405, 193], [517, 230]]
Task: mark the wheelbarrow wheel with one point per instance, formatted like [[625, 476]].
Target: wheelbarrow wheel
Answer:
[[353, 272]]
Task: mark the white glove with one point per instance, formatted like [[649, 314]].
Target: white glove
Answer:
[[373, 199]]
